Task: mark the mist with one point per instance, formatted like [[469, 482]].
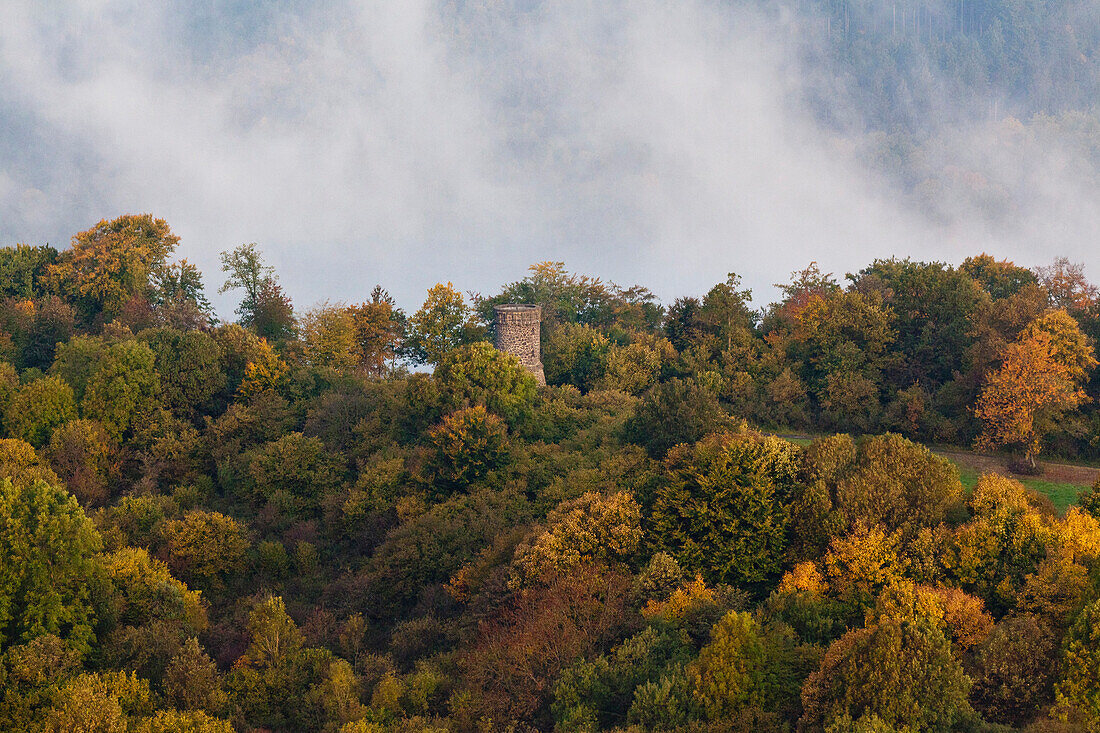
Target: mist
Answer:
[[658, 143]]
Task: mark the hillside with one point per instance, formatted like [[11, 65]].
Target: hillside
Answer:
[[352, 518]]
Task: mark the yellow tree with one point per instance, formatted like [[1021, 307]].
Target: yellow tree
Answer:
[[1038, 380], [111, 263], [330, 338], [440, 325]]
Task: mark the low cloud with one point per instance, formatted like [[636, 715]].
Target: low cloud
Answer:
[[647, 142]]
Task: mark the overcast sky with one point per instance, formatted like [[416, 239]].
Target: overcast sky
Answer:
[[407, 143]]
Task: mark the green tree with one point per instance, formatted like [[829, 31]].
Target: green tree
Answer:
[[897, 483], [177, 297], [49, 569], [744, 667], [726, 314], [265, 308], [902, 672], [674, 412], [293, 472], [575, 354], [441, 324], [38, 408], [467, 445], [1078, 690], [590, 528], [204, 546], [330, 338], [82, 454], [478, 374], [25, 271], [999, 278], [722, 507], [151, 613], [189, 366], [192, 680], [124, 386]]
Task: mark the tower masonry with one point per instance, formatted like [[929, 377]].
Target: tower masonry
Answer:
[[518, 332]]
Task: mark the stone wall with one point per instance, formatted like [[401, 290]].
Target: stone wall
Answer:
[[518, 334]]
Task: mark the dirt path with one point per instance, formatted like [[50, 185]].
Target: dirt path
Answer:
[[1063, 473]]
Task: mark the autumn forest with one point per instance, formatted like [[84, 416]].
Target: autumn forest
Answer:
[[357, 519]]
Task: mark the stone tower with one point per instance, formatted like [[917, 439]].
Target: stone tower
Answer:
[[518, 333]]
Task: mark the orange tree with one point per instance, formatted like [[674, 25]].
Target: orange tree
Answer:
[[1038, 381], [111, 263]]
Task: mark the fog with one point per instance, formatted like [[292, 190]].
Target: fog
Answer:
[[658, 143]]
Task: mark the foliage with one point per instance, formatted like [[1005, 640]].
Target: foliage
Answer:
[[189, 366], [112, 262], [903, 673], [38, 408], [1078, 690], [265, 308], [205, 545], [1033, 386], [478, 374], [441, 324], [721, 507], [123, 387], [49, 573], [673, 413], [592, 527], [743, 666], [81, 453]]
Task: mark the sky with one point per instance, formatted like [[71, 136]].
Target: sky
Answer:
[[415, 142]]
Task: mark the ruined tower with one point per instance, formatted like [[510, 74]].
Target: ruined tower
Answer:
[[518, 333]]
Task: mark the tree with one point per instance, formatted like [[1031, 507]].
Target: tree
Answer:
[[1078, 690], [25, 271], [112, 262], [468, 444], [478, 374], [204, 546], [36, 328], [898, 483], [330, 338], [902, 672], [721, 508], [999, 278], [124, 385], [265, 308], [1025, 394], [49, 569], [152, 613], [189, 366], [441, 324], [674, 412], [38, 408], [1015, 671], [591, 528], [744, 667], [81, 452], [380, 331], [517, 657], [292, 474], [575, 354], [725, 312], [177, 297], [1067, 286], [192, 681], [102, 702]]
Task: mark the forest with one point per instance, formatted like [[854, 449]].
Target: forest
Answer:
[[356, 519]]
